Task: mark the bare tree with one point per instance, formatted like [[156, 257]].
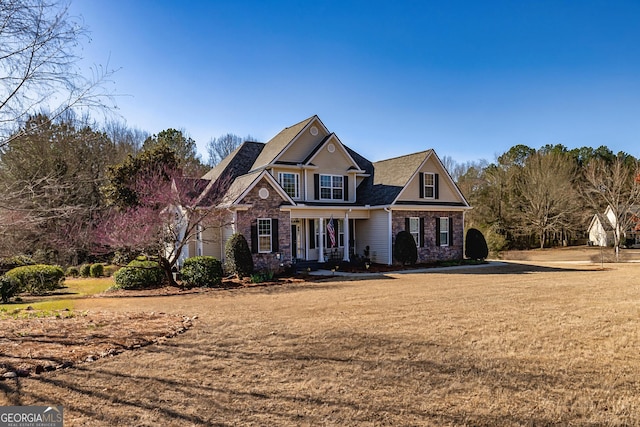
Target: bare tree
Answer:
[[614, 183], [545, 194], [221, 147], [38, 64]]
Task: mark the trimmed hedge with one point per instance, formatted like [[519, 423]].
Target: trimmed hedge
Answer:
[[405, 250], [12, 262], [202, 271], [96, 270], [85, 270], [139, 275], [37, 279], [72, 272], [238, 256], [476, 245]]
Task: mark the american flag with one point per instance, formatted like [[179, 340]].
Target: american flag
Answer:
[[331, 231]]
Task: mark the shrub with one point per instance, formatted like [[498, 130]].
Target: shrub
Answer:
[[138, 275], [475, 245], [110, 270], [85, 270], [72, 272], [238, 255], [9, 263], [37, 279], [202, 271], [265, 276], [8, 288], [404, 249], [96, 270]]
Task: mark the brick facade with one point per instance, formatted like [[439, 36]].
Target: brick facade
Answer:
[[430, 252], [266, 208]]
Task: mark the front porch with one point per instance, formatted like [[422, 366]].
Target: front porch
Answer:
[[325, 236]]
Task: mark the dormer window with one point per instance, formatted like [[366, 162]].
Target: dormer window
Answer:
[[290, 183]]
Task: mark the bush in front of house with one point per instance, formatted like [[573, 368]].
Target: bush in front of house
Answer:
[[139, 275], [202, 271], [404, 249], [475, 245], [238, 256], [8, 288], [96, 270], [37, 279]]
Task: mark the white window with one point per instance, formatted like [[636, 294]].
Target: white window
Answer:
[[444, 231], [414, 229], [331, 187], [290, 182], [264, 235], [429, 185]]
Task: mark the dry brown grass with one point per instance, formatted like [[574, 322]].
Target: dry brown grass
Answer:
[[517, 345]]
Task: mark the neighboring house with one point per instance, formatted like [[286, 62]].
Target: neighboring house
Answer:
[[603, 227], [285, 197]]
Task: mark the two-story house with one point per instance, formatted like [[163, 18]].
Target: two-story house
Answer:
[[304, 195]]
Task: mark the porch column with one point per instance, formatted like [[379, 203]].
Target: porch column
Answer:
[[345, 229], [321, 240]]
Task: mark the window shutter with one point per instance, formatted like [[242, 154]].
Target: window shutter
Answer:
[[422, 245], [275, 241], [437, 231], [345, 191], [450, 231], [254, 237], [421, 178], [316, 186], [312, 234], [436, 185], [406, 224]]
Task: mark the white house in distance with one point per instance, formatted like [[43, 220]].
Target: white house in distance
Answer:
[[306, 196], [603, 227]]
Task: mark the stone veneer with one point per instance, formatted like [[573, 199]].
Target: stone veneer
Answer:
[[266, 208], [430, 252]]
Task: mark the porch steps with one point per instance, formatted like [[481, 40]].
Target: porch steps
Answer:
[[301, 266]]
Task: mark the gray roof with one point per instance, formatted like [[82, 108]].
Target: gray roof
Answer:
[[388, 178], [275, 145], [225, 173]]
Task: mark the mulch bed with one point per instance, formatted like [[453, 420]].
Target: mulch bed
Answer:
[[33, 342]]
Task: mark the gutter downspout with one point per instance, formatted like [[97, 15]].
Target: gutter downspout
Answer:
[[390, 236]]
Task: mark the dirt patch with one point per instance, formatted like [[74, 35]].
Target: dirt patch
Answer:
[[34, 342]]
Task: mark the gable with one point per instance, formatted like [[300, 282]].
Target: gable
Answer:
[[446, 191], [304, 143], [332, 156], [263, 189]]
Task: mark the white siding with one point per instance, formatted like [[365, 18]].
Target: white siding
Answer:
[[375, 233]]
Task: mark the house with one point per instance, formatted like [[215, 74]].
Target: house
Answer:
[[603, 228], [306, 196]]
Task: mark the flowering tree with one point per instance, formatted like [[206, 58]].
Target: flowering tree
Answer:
[[161, 213]]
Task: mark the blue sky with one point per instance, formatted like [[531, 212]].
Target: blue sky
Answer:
[[467, 78]]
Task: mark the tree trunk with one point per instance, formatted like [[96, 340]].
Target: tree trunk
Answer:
[[542, 240], [167, 268]]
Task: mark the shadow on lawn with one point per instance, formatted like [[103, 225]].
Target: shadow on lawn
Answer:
[[338, 378], [511, 267]]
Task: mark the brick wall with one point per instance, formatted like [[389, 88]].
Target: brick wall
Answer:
[[266, 208], [430, 252]]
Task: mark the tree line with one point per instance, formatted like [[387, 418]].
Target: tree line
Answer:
[[543, 197]]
